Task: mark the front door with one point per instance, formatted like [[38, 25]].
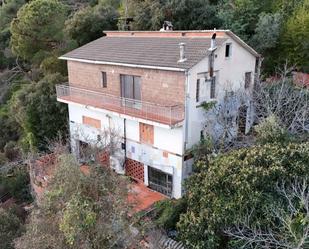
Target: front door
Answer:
[[160, 181], [131, 90]]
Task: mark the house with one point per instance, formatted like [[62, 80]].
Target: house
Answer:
[[151, 87]]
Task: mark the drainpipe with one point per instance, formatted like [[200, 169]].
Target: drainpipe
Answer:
[[124, 141], [187, 87]]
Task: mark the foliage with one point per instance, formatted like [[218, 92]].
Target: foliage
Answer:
[[295, 40], [235, 184], [36, 32], [200, 14], [3, 159], [270, 131], [291, 226], [267, 32], [37, 111], [284, 100], [10, 228], [80, 210], [88, 24], [17, 182], [168, 212], [9, 128], [12, 151]]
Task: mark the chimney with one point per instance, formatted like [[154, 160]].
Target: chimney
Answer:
[[167, 25], [182, 47], [213, 45]]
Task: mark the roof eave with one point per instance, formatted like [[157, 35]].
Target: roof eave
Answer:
[[243, 44], [175, 69]]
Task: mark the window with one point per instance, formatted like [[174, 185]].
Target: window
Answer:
[[130, 87], [247, 80], [146, 133], [160, 181], [213, 88], [228, 48], [197, 96], [96, 123], [104, 80]]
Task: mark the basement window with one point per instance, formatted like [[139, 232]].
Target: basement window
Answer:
[[104, 80], [228, 50]]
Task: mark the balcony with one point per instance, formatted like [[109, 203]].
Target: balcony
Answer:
[[164, 114]]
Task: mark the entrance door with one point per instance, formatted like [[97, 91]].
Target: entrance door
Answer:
[[160, 181], [131, 90]]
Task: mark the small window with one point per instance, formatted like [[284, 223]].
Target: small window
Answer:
[[197, 96], [228, 48], [247, 80], [104, 80], [213, 88]]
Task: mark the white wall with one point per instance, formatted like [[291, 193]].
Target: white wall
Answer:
[[165, 140], [230, 73]]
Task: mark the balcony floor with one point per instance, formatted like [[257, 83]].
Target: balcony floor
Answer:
[[138, 113]]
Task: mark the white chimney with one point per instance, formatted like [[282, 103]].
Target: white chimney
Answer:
[[182, 47], [213, 45]]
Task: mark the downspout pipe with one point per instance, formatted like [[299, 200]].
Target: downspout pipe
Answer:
[[125, 141]]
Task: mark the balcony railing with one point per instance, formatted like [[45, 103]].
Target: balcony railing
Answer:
[[166, 114]]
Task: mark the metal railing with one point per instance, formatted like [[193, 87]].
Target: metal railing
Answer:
[[166, 114]]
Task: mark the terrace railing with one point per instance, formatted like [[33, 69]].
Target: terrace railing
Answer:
[[166, 114]]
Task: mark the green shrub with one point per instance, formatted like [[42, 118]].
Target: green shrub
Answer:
[[233, 185], [3, 159], [10, 228], [270, 131], [168, 212], [11, 151], [17, 182]]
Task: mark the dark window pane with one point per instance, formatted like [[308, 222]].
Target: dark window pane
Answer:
[[104, 80], [227, 50], [247, 79]]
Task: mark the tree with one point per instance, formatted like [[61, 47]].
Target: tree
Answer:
[[295, 38], [39, 114], [232, 185], [200, 14], [291, 230], [286, 101], [8, 11], [267, 32], [80, 210], [36, 32], [88, 23]]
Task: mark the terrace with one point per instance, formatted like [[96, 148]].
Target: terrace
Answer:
[[165, 114]]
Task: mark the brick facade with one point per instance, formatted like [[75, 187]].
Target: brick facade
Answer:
[[157, 86], [134, 169]]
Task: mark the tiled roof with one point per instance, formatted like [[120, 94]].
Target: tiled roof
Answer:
[[145, 51]]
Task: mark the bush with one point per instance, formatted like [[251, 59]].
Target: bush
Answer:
[[236, 184], [168, 212], [11, 151], [3, 159], [270, 131], [17, 182], [10, 228]]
